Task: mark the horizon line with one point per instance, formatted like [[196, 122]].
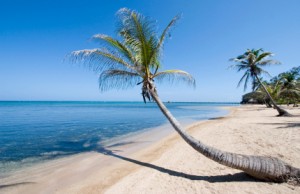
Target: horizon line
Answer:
[[113, 101]]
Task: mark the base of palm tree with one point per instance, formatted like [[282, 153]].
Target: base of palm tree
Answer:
[[283, 113]]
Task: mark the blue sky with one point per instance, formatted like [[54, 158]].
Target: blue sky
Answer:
[[35, 37]]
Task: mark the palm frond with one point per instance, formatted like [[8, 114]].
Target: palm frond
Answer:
[[265, 72], [289, 92], [242, 67], [175, 75], [135, 24], [239, 66], [116, 45], [256, 52], [268, 62], [117, 79], [156, 45], [138, 32], [246, 81], [263, 55], [253, 83], [166, 31], [99, 60], [246, 74], [241, 57]]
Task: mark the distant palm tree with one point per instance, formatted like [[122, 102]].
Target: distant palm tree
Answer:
[[252, 62], [135, 60]]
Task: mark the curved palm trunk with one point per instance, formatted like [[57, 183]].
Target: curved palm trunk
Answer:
[[264, 168], [281, 112]]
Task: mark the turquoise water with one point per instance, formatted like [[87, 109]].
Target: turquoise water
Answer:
[[31, 131]]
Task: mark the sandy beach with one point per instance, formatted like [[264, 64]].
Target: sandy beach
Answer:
[[164, 163]]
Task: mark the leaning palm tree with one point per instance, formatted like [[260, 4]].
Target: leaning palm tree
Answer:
[[252, 62], [135, 59]]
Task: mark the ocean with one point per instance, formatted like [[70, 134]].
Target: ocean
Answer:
[[37, 131]]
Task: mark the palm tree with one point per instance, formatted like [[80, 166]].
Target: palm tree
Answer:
[[135, 59], [252, 61]]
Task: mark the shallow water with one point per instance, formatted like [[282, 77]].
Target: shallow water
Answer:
[[35, 131]]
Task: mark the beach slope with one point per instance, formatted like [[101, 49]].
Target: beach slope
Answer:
[[172, 166], [249, 130]]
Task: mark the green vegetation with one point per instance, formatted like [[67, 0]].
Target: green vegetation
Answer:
[[284, 89]]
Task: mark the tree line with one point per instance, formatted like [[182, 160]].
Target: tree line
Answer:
[[284, 89]]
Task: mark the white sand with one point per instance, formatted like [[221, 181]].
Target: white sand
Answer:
[[172, 166]]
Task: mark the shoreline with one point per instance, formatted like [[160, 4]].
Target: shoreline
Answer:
[[118, 171], [64, 136], [128, 144], [156, 134]]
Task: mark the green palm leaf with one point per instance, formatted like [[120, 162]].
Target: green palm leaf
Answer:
[[127, 53], [100, 60], [174, 75], [268, 62], [117, 79], [245, 76]]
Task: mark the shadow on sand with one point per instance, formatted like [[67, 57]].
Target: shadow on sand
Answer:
[[217, 118], [237, 177], [15, 184], [284, 124]]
